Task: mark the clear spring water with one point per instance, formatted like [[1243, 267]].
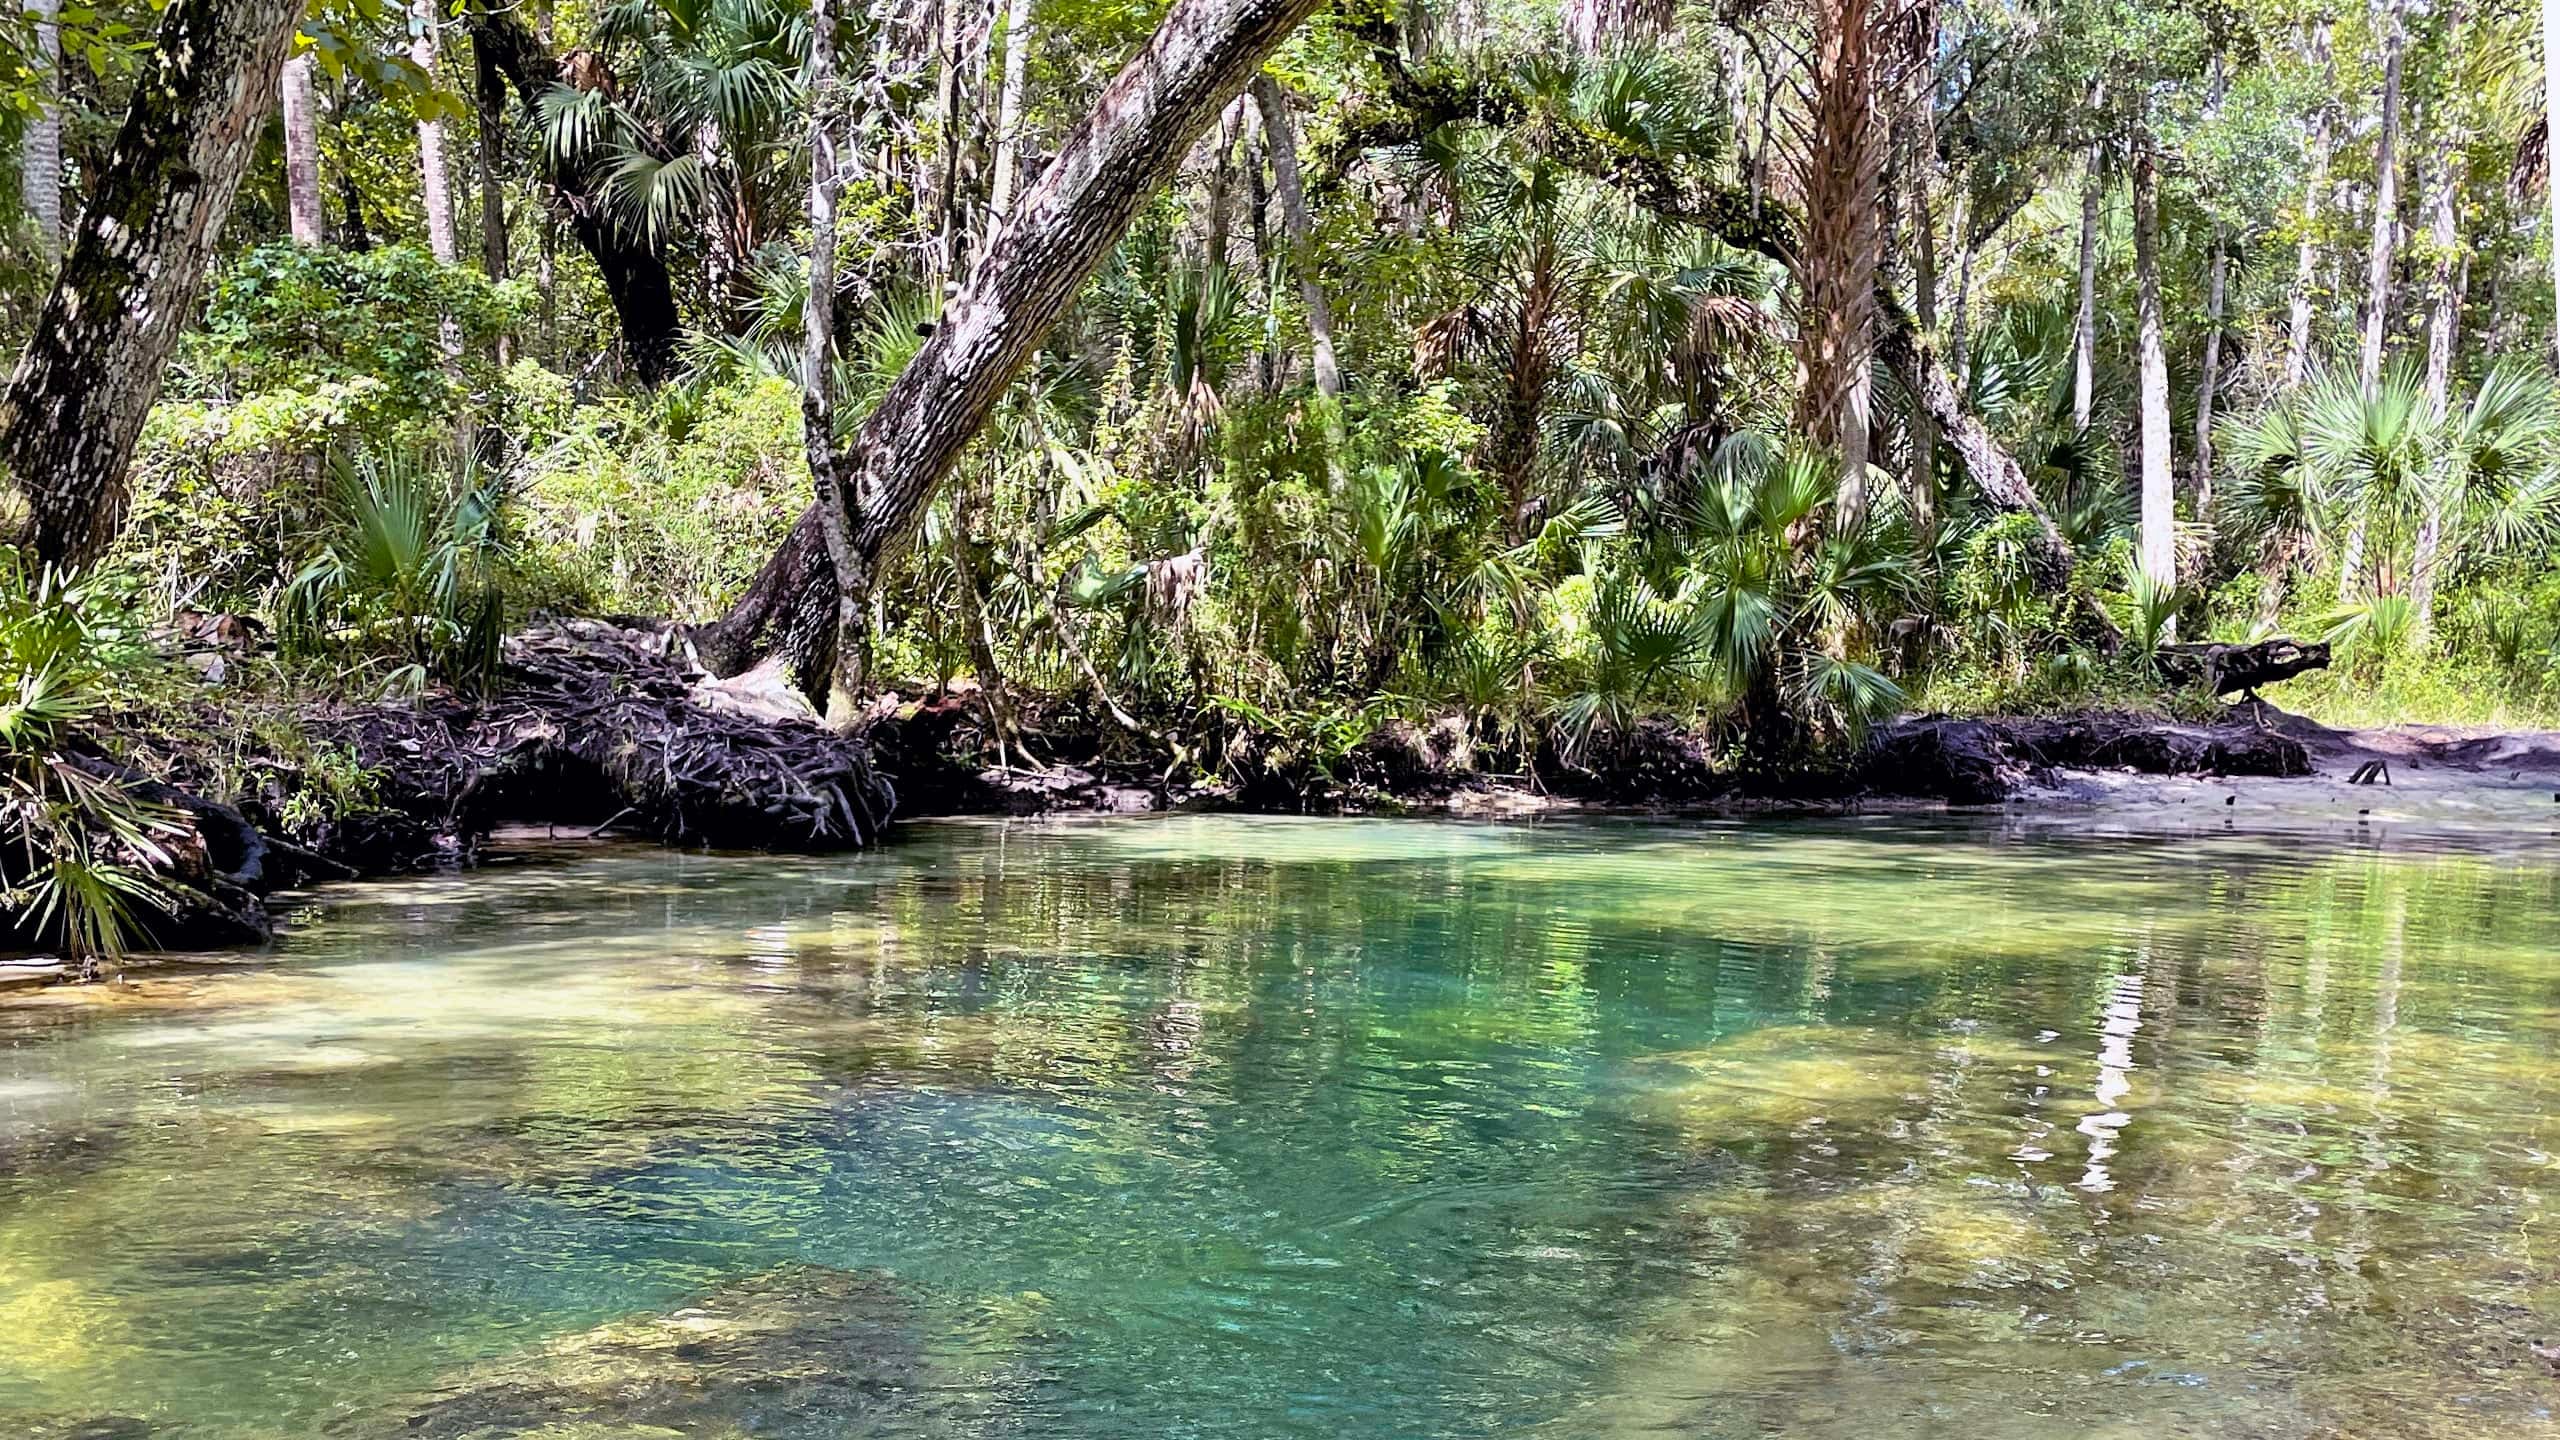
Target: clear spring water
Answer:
[[1232, 1127]]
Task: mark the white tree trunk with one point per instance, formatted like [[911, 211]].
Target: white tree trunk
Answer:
[[1282, 131], [435, 177], [2386, 200], [40, 153], [1009, 99], [2084, 329], [2159, 540], [2297, 352], [302, 152]]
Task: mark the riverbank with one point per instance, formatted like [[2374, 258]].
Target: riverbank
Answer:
[[602, 730]]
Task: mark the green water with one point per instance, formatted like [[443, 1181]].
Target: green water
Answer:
[[1253, 1128]]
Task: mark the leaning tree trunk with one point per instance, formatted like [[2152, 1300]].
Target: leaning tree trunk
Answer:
[[1282, 130], [302, 152], [2386, 203], [1110, 163], [40, 151], [2306, 261], [634, 271], [75, 407], [2159, 542]]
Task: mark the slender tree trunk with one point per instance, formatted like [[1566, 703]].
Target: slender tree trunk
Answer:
[[435, 177], [1282, 130], [489, 98], [1222, 179], [2551, 132], [2159, 540], [2208, 383], [1959, 334], [302, 152], [40, 152], [128, 284], [2386, 200], [1017, 57], [2084, 328], [1137, 131], [2297, 351], [1924, 286], [817, 362], [2444, 319]]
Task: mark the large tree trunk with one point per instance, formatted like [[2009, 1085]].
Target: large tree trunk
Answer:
[[2159, 540], [1009, 100], [302, 153], [76, 405], [2084, 325], [40, 151], [634, 271], [1111, 162], [2386, 201], [1282, 130], [2297, 351], [435, 177], [1842, 167]]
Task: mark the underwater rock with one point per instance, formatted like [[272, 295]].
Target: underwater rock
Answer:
[[800, 1351]]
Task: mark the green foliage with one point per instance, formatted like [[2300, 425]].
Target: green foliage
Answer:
[[78, 851], [395, 340], [407, 574]]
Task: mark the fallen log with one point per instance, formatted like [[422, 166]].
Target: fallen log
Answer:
[[2241, 669]]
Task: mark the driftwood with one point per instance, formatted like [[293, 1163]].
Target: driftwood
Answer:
[[2241, 669]]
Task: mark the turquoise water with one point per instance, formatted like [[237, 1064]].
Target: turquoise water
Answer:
[[1228, 1127]]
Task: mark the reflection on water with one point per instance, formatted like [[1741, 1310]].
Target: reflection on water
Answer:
[[1248, 1128]]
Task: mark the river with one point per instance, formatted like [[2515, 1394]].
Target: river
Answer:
[[1233, 1127]]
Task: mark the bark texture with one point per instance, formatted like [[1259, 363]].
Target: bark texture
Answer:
[[435, 177], [40, 151], [302, 152], [1158, 106], [76, 405]]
